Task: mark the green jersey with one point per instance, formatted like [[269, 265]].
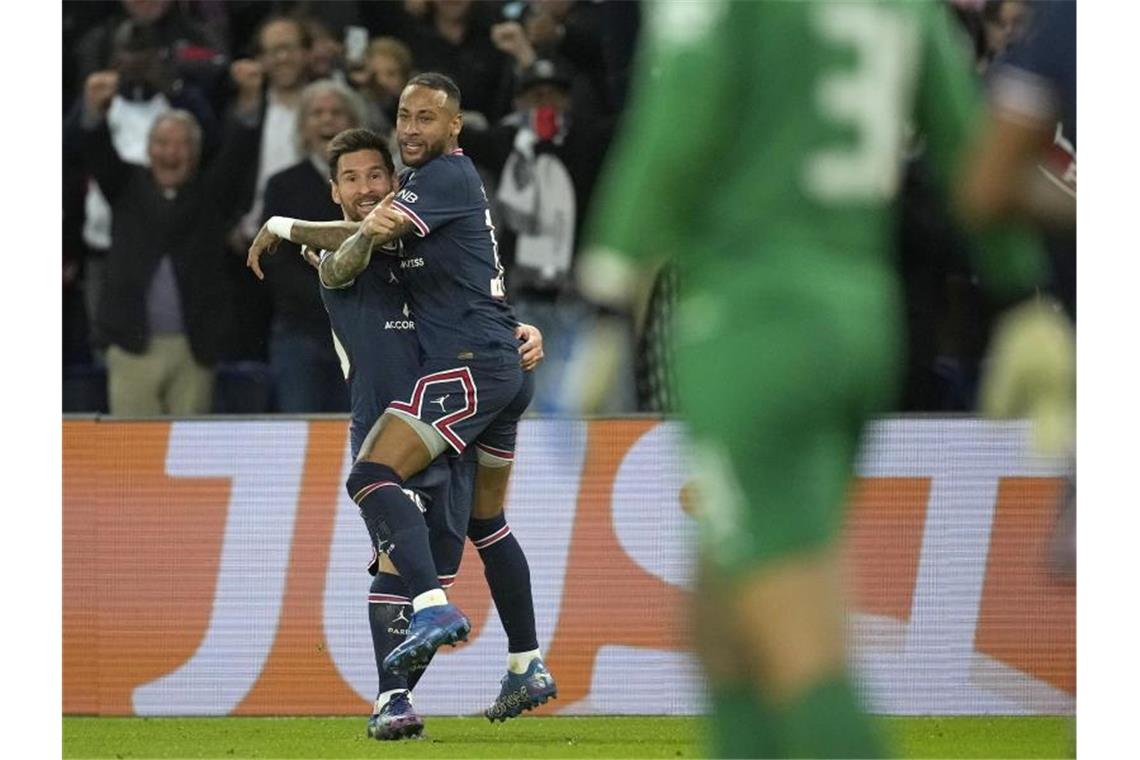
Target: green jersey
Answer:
[[771, 135]]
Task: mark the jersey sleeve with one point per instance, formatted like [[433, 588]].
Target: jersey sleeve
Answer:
[[661, 160], [433, 195], [1008, 257]]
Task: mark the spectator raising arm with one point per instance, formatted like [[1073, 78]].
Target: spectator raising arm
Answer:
[[99, 154]]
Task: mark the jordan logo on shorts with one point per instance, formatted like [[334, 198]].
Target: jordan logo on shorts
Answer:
[[441, 401]]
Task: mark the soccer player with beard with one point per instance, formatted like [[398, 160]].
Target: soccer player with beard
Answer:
[[470, 388], [374, 334]]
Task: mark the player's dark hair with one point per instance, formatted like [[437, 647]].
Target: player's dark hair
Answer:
[[435, 81], [352, 140]]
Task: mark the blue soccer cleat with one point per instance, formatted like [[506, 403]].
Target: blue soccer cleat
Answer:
[[429, 629], [523, 691], [395, 720]]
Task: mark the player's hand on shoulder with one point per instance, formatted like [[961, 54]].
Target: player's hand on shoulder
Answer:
[[530, 350]]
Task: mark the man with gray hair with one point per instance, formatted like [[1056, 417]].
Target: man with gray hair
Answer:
[[163, 310], [306, 372]]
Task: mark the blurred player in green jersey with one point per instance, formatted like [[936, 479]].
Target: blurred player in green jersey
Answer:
[[761, 153]]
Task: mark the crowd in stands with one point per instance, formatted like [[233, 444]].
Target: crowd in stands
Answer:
[[187, 124]]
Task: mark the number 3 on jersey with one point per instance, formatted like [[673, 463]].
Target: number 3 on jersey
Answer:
[[871, 98], [498, 288]]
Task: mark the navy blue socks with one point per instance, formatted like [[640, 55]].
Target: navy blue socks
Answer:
[[508, 577]]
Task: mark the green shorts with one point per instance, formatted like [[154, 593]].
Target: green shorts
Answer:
[[776, 398]]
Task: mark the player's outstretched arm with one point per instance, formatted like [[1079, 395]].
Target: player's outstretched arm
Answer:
[[326, 236], [318, 235]]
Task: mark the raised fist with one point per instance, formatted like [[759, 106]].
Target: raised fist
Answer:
[[510, 37], [99, 90], [416, 8], [543, 29]]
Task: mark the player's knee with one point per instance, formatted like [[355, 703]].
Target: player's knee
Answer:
[[388, 583], [486, 509], [490, 490], [366, 477], [494, 458]]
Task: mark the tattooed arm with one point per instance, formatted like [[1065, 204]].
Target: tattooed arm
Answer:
[[327, 236], [382, 225], [350, 259]]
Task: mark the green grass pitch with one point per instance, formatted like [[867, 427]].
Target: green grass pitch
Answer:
[[528, 737]]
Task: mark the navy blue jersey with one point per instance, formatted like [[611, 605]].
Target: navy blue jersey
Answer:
[[450, 267], [375, 337]]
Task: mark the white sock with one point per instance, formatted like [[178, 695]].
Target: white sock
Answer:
[[432, 598], [384, 698], [518, 662]]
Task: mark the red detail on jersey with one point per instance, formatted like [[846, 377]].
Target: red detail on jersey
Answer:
[[421, 228], [443, 425], [500, 453]]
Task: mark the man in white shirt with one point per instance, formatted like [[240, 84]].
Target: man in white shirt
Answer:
[[283, 54]]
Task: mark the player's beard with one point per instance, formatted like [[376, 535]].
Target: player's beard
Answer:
[[355, 213], [428, 152]]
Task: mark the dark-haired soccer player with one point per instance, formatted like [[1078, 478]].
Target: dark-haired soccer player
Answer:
[[374, 333], [470, 389]]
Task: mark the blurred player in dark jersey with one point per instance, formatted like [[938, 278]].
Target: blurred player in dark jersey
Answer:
[[374, 334]]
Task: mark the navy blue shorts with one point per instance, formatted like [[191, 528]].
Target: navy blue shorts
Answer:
[[469, 403], [444, 491]]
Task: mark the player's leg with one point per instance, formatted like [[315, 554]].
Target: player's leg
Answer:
[[389, 611], [527, 683], [783, 619], [775, 455], [396, 452], [504, 563], [730, 684]]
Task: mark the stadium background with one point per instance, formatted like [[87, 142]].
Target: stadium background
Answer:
[[188, 592], [216, 567]]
